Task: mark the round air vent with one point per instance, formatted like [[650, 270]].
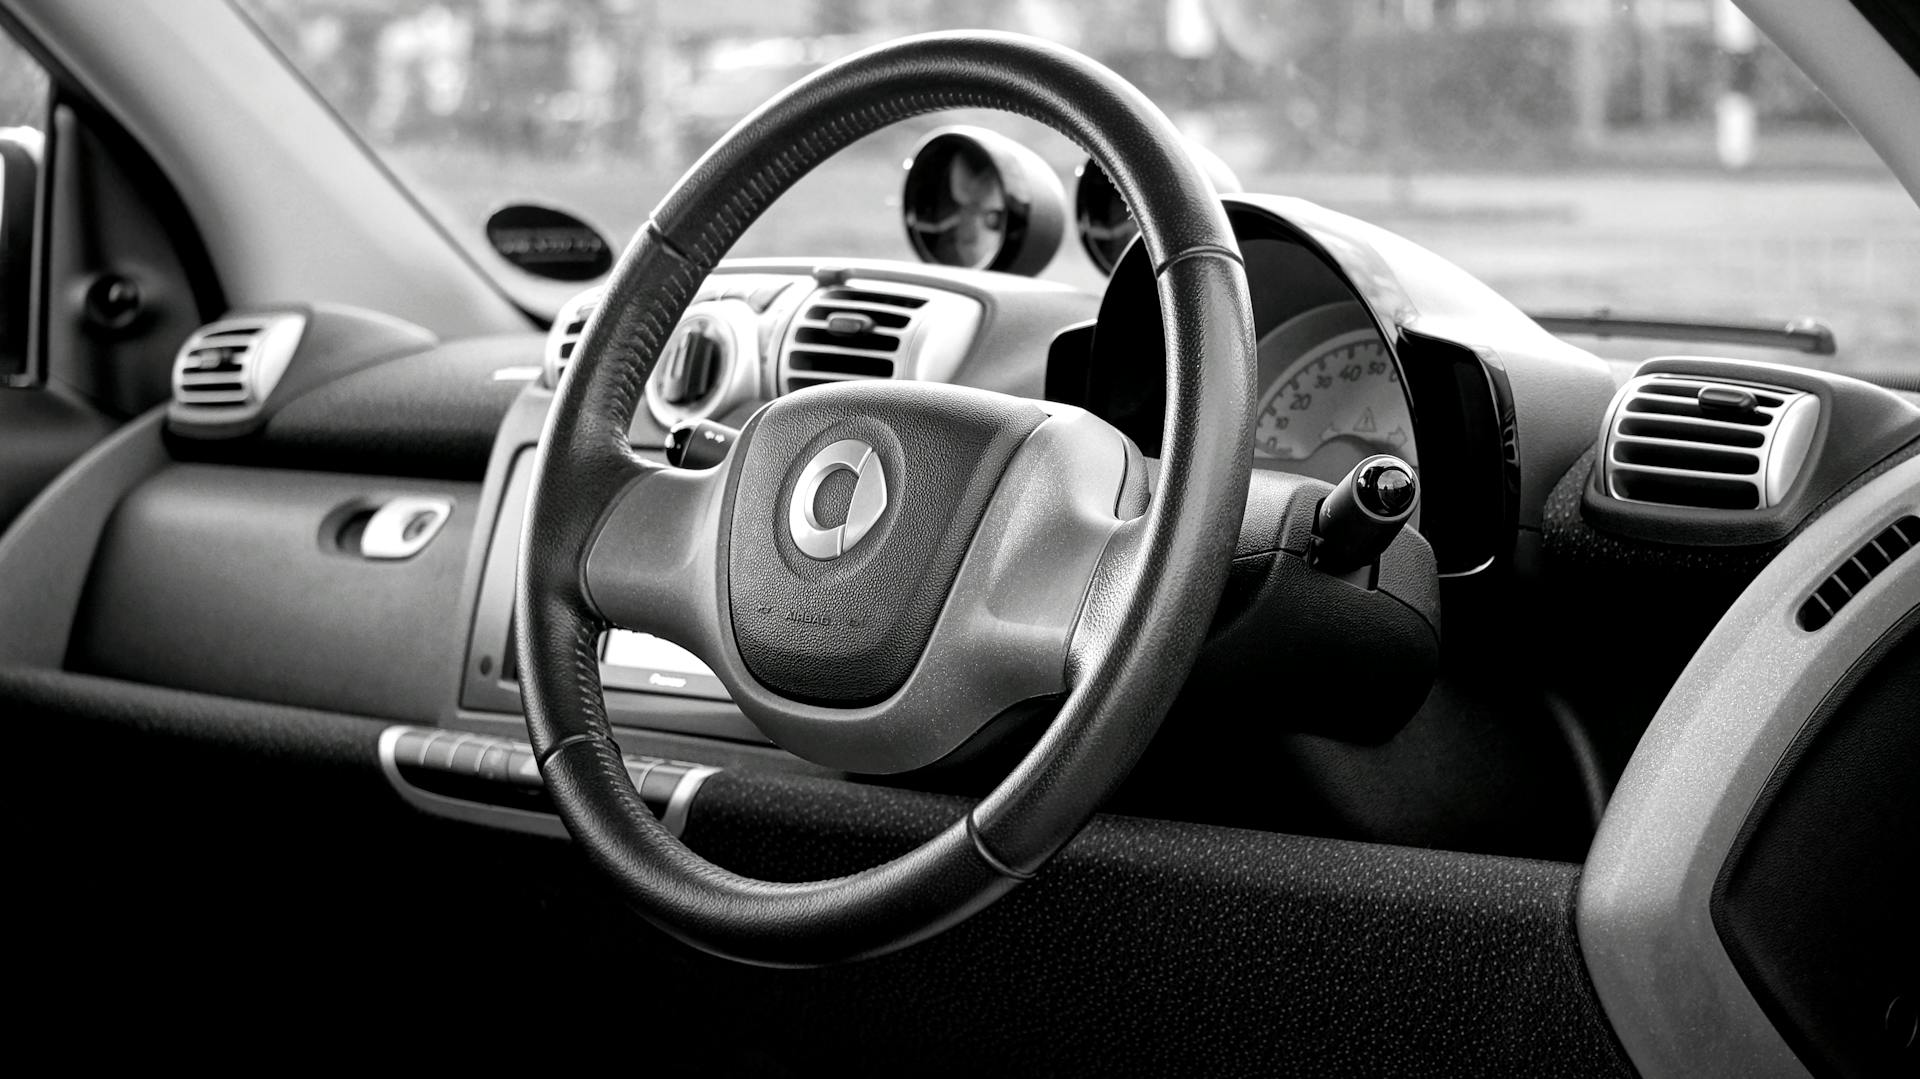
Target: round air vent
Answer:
[[979, 200], [701, 371]]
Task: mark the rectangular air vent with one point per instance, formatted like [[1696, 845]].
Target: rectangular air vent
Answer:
[[225, 370], [1868, 562], [565, 334], [842, 333], [1677, 440]]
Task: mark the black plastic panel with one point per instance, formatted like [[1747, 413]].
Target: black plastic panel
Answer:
[[1146, 948], [1817, 902], [229, 581], [431, 412]]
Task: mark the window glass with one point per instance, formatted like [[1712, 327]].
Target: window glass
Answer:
[[23, 87], [23, 117], [1649, 157]]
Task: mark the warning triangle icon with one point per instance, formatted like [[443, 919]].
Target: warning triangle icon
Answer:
[[1366, 426]]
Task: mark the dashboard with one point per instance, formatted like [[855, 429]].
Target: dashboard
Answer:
[[1651, 639], [1367, 345]]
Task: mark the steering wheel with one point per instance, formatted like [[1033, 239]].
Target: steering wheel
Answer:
[[880, 569]]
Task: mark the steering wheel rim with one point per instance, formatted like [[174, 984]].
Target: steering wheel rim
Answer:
[[1148, 597]]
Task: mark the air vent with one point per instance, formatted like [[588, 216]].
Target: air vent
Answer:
[[564, 337], [1868, 562], [1675, 440], [862, 328], [842, 333], [227, 369]]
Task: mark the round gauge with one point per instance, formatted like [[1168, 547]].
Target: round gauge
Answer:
[[979, 200], [1336, 404], [1101, 216]]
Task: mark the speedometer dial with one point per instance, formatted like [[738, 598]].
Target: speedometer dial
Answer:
[[1337, 403]]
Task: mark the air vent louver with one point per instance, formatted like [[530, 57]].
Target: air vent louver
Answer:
[[1676, 440], [845, 333], [1868, 562], [564, 337], [226, 370]]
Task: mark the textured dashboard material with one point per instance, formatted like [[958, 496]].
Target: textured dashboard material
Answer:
[[1146, 948], [1156, 948]]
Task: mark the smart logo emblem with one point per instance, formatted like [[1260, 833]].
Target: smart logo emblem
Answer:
[[815, 537]]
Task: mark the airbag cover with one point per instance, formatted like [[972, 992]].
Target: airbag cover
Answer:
[[848, 630]]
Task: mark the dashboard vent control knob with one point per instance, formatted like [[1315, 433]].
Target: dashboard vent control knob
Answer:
[[849, 323], [1363, 513], [693, 364], [1728, 398]]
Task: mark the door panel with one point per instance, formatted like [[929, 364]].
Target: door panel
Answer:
[[102, 280]]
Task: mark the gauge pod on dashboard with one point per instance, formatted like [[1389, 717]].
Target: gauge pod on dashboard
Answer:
[[978, 200], [1101, 216]]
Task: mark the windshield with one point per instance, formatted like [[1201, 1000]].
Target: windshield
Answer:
[[1658, 158]]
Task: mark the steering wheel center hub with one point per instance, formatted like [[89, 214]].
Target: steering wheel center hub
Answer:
[[839, 612]]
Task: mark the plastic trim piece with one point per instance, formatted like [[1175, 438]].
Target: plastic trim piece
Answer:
[[48, 551], [569, 326], [403, 527], [1645, 924]]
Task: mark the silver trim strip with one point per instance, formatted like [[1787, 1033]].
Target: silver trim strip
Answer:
[[673, 818], [513, 820], [680, 804]]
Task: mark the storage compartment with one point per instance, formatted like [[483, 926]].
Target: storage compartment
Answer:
[[253, 584]]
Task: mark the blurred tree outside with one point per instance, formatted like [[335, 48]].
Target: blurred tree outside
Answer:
[[1341, 83]]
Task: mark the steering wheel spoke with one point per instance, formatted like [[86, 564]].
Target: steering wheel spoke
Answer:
[[651, 565]]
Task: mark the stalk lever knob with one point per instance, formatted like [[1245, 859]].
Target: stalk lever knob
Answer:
[[1363, 513]]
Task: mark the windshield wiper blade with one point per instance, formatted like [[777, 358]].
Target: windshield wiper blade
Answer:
[[1807, 335]]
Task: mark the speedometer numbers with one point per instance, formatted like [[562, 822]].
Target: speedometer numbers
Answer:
[[1342, 395]]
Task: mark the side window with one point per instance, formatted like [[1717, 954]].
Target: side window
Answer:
[[24, 93]]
